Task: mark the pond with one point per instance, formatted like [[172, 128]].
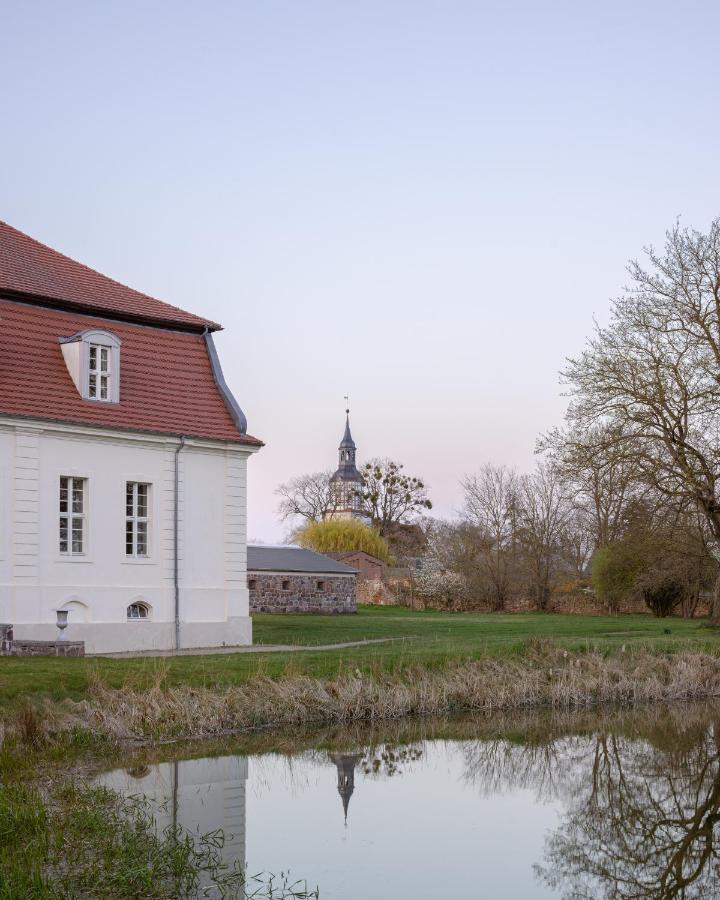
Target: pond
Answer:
[[611, 804]]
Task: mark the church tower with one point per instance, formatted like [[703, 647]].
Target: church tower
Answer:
[[346, 484]]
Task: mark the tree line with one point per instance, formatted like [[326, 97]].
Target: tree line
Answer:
[[624, 494]]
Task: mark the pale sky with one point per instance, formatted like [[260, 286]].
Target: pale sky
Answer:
[[420, 203]]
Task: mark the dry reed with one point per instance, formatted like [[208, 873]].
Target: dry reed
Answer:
[[543, 677]]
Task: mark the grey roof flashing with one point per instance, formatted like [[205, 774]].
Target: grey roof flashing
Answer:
[[233, 407], [293, 560]]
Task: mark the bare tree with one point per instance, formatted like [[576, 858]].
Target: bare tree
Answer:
[[544, 512], [389, 496], [652, 376], [306, 497], [598, 471], [491, 504], [579, 539]]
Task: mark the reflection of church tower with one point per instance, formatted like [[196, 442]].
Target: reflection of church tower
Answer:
[[347, 482], [346, 763]]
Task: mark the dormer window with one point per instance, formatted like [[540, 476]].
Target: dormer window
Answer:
[[93, 361]]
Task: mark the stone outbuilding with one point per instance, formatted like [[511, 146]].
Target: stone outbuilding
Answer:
[[290, 579]]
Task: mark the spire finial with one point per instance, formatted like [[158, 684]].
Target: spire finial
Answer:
[[347, 404]]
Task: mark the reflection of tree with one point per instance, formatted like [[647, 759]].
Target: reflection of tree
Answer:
[[640, 794], [494, 766], [389, 759], [640, 823]]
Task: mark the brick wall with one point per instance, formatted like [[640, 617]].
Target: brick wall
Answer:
[[286, 593]]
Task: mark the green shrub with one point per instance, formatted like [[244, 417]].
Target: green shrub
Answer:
[[342, 536], [614, 570], [661, 593]]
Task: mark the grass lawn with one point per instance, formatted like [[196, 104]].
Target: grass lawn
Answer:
[[423, 637]]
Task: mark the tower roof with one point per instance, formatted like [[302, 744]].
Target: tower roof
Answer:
[[347, 470], [347, 443]]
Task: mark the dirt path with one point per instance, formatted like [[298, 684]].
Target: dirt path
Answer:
[[255, 648]]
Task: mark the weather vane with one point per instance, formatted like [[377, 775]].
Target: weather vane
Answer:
[[347, 403]]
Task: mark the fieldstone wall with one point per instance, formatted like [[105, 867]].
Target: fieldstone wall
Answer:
[[302, 594], [6, 637], [11, 647]]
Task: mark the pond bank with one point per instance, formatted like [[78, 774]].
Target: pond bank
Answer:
[[543, 676]]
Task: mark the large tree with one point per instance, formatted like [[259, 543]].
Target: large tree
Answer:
[[306, 497], [390, 497], [492, 506], [544, 516], [597, 469], [652, 376]]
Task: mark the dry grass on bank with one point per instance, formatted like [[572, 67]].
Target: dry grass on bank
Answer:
[[545, 676]]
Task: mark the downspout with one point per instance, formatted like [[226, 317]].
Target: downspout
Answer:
[[176, 541]]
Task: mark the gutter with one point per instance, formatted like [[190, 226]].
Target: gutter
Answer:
[[176, 542]]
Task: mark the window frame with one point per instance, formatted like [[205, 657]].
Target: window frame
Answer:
[[134, 519], [70, 515]]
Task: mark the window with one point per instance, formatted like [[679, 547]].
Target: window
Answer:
[[138, 611], [99, 372], [136, 519], [252, 584], [286, 585], [72, 515], [321, 585]]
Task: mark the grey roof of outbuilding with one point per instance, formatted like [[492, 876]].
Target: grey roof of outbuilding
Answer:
[[288, 558]]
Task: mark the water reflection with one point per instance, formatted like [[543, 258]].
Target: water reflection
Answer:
[[201, 796], [640, 819], [345, 763], [619, 804]]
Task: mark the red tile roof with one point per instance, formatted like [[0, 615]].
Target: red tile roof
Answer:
[[166, 379], [28, 267]]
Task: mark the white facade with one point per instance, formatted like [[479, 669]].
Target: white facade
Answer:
[[99, 584]]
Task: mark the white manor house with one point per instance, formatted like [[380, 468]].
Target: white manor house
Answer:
[[123, 464]]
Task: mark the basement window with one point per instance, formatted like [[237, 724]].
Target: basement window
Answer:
[[252, 583], [138, 611], [320, 585], [286, 585]]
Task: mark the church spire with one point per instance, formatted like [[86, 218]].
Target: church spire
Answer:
[[347, 483], [347, 441]]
